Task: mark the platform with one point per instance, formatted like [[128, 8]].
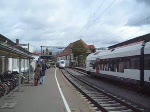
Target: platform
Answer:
[[45, 98]]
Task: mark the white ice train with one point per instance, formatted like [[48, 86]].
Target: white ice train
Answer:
[[62, 64], [130, 63]]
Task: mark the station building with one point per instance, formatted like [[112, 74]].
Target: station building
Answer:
[[67, 54]]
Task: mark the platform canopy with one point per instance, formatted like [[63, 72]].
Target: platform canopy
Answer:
[[11, 50]]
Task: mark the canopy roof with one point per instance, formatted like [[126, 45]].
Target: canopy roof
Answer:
[[11, 50]]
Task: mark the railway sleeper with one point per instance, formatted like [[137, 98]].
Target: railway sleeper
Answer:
[[120, 108], [100, 97], [87, 90], [111, 105], [106, 102], [128, 110], [94, 93]]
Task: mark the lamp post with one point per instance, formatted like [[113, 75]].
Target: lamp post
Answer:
[[41, 50]]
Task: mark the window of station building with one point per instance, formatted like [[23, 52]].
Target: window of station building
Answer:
[[147, 62]]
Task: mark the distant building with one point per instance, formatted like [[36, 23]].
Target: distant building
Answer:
[[101, 49], [67, 54], [14, 63], [10, 54]]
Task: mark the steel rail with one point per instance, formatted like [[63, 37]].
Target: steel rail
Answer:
[[87, 96], [103, 92]]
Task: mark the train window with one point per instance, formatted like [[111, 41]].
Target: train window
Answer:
[[92, 62], [106, 67], [121, 67], [135, 62], [111, 66], [62, 62], [101, 66], [147, 62]]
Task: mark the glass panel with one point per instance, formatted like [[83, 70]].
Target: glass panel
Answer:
[[147, 62]]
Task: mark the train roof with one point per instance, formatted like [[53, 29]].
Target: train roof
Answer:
[[90, 56], [61, 60], [122, 52], [134, 40], [131, 50]]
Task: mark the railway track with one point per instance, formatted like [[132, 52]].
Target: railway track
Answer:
[[103, 101]]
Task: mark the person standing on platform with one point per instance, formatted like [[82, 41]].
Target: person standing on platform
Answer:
[[42, 79], [38, 72]]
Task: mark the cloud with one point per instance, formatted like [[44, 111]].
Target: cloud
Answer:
[[60, 22], [147, 2], [142, 15]]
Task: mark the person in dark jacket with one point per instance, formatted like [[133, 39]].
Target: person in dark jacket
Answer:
[[37, 75], [42, 79]]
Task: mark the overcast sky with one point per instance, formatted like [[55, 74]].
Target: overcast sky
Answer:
[[60, 22]]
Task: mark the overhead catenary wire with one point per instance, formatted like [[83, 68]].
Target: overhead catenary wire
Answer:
[[97, 17], [105, 10], [90, 17], [142, 20], [135, 24], [108, 40], [94, 14]]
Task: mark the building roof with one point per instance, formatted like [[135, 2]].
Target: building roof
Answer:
[[91, 47], [37, 53], [67, 50]]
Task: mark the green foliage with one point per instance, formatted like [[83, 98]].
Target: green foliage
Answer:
[[79, 50]]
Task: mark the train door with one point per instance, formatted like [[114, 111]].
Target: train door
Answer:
[[92, 66], [97, 65], [87, 65]]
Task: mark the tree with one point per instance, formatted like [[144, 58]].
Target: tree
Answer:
[[79, 51]]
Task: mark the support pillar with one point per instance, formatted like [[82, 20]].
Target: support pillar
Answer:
[[29, 70], [41, 51], [6, 63], [24, 65], [3, 64], [12, 64], [19, 74]]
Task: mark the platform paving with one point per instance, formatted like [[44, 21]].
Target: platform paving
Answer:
[[44, 98]]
